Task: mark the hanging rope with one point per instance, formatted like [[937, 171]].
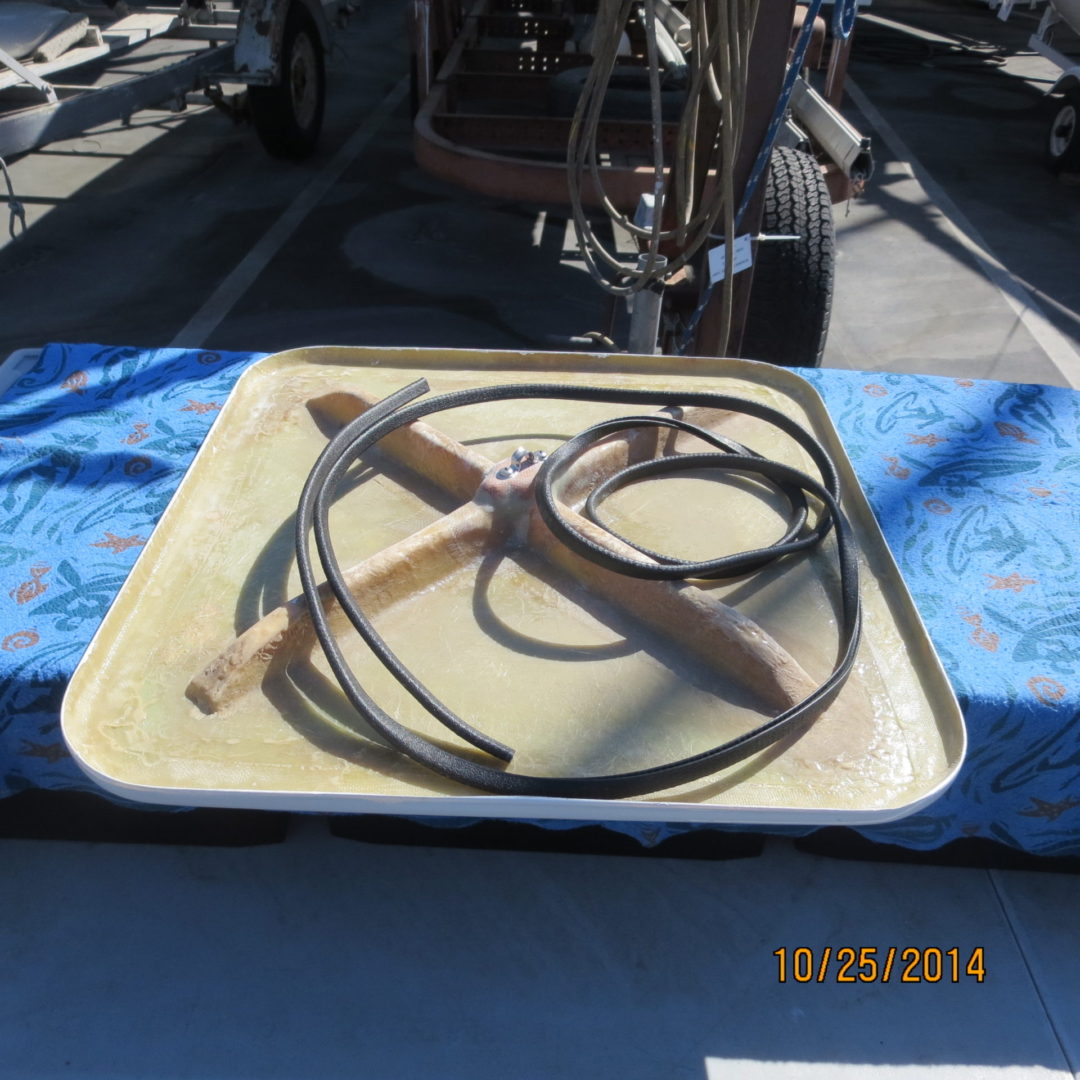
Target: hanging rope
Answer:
[[756, 173], [720, 44], [721, 32], [16, 210]]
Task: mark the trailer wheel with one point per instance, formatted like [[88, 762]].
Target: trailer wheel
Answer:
[[288, 117], [1063, 136], [791, 294]]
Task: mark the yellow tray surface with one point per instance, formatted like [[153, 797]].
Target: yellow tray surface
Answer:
[[520, 649]]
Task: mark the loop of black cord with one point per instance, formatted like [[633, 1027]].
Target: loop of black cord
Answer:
[[564, 456], [400, 409]]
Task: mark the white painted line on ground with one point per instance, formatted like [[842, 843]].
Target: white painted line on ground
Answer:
[[1020, 934], [1050, 339], [222, 300], [538, 228]]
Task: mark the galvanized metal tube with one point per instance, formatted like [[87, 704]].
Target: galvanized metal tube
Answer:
[[645, 310]]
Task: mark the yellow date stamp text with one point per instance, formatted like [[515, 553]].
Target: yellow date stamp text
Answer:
[[870, 964]]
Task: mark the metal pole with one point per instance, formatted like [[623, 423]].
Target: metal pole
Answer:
[[645, 311]]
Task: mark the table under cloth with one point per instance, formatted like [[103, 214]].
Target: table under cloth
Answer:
[[976, 486]]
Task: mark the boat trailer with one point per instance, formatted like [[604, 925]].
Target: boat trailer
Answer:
[[615, 107], [275, 47]]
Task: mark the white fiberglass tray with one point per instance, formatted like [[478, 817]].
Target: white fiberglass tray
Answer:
[[523, 651]]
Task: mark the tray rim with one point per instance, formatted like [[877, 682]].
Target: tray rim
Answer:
[[483, 804]]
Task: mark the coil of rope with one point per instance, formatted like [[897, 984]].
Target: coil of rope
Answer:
[[757, 170], [402, 408], [721, 31]]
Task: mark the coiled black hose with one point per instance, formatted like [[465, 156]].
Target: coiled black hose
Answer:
[[401, 408]]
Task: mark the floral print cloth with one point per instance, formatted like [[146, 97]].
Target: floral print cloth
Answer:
[[93, 443], [976, 486]]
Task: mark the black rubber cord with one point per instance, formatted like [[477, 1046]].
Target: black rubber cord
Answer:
[[401, 408]]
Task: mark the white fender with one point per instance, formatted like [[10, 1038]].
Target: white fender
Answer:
[[259, 32]]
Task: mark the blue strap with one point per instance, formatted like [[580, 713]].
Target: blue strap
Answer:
[[843, 18], [764, 153]]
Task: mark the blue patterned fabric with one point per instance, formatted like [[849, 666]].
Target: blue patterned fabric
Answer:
[[93, 443], [976, 485]]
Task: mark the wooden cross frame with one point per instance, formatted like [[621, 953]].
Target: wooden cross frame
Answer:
[[499, 510]]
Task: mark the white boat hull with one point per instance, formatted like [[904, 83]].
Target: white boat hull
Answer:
[[1069, 10]]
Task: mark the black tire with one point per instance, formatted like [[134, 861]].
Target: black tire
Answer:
[[288, 117], [1062, 148], [791, 295]]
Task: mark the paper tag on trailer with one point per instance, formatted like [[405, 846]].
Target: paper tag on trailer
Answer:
[[744, 258]]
